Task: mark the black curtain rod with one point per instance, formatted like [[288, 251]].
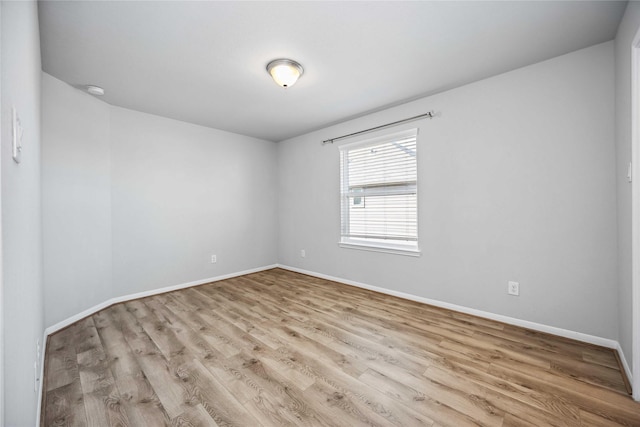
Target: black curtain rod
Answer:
[[430, 114]]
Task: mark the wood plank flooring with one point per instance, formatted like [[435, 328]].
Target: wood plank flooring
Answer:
[[278, 348]]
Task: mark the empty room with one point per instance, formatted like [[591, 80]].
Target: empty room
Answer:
[[320, 213]]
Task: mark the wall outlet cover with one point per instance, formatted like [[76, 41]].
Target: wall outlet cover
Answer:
[[513, 288]]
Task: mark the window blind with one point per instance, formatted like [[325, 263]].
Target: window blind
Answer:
[[379, 190]]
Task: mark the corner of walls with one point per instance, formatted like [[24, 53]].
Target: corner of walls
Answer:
[[134, 202], [181, 193], [124, 298], [22, 303], [629, 27]]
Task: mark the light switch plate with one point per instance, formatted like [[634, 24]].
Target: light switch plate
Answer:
[[16, 135]]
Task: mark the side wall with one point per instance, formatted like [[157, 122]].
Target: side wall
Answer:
[[626, 32], [181, 193], [516, 182], [135, 202], [21, 211], [76, 200]]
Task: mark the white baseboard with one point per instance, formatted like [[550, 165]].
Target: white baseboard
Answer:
[[625, 365], [591, 339], [43, 351], [579, 336], [88, 312]]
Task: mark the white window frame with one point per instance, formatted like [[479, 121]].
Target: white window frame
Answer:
[[410, 248]]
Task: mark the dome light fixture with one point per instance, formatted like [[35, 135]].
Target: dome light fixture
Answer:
[[95, 90], [285, 72]]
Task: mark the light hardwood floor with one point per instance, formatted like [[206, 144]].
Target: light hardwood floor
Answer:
[[278, 348]]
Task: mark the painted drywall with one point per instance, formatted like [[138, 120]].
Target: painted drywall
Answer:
[[516, 182], [181, 193], [626, 32], [21, 211], [76, 199], [134, 202]]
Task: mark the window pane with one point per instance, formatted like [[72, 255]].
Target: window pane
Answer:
[[385, 217], [379, 190]]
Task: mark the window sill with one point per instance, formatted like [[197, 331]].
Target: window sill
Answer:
[[414, 252]]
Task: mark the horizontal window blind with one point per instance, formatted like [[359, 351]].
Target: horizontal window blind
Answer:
[[379, 189]]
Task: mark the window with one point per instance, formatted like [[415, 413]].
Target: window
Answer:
[[379, 193]]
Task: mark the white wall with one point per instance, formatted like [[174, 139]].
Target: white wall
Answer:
[[181, 193], [516, 182], [626, 32], [134, 202], [21, 211], [76, 200]]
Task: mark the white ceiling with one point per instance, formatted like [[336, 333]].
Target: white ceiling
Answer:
[[204, 62]]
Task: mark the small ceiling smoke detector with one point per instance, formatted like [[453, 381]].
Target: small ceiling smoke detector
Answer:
[[285, 72], [95, 90]]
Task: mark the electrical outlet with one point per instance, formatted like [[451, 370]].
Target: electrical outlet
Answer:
[[513, 288], [214, 259], [303, 253]]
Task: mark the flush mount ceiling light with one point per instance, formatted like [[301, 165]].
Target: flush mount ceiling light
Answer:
[[95, 90], [285, 72]]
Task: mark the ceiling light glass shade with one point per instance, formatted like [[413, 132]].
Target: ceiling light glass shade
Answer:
[[95, 90], [285, 72]]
